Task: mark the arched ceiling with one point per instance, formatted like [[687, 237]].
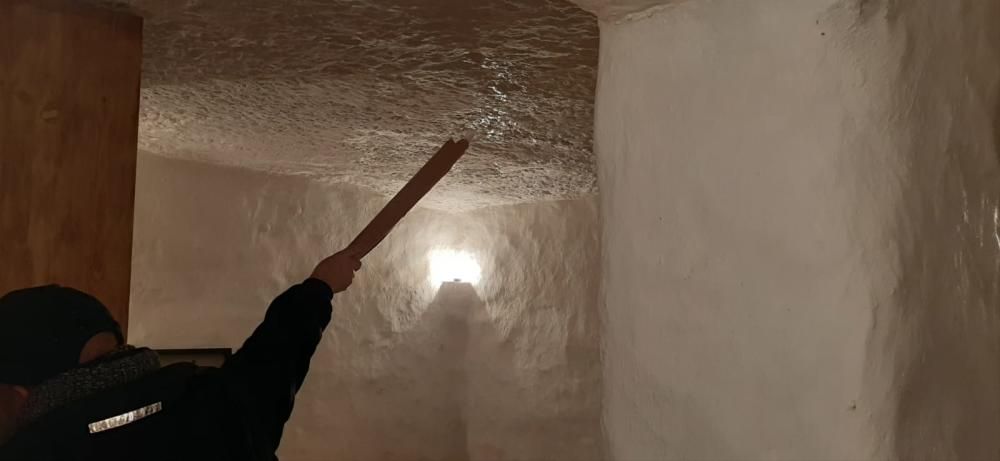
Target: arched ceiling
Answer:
[[363, 91]]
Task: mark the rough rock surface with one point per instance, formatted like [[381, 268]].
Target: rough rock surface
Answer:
[[512, 373], [364, 91]]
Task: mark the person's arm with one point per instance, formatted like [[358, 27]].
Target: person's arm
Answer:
[[265, 374]]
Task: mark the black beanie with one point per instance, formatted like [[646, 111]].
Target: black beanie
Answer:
[[43, 330]]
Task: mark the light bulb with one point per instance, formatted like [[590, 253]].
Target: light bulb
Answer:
[[453, 266]]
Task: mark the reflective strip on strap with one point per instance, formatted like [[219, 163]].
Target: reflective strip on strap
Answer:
[[125, 419]]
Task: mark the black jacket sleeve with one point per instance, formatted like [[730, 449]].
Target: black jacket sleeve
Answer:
[[264, 375]]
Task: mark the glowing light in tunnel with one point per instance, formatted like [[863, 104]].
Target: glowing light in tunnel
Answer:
[[452, 265]]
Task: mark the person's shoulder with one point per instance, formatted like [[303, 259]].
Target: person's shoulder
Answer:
[[179, 392], [26, 446], [184, 378], [176, 376]]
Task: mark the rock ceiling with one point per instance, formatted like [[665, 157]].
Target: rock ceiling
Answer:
[[364, 91]]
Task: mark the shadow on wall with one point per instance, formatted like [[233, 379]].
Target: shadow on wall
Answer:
[[425, 411]]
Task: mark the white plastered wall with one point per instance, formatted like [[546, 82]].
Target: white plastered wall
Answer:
[[395, 378], [800, 249]]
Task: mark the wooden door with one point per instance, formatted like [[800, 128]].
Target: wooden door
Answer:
[[69, 104]]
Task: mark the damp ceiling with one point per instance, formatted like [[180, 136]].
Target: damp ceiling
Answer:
[[364, 91]]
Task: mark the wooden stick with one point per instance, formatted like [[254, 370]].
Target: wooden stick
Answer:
[[414, 190]]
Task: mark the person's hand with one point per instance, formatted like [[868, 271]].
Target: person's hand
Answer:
[[338, 270]]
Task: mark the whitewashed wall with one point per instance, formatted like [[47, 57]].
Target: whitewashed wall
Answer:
[[519, 378]]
